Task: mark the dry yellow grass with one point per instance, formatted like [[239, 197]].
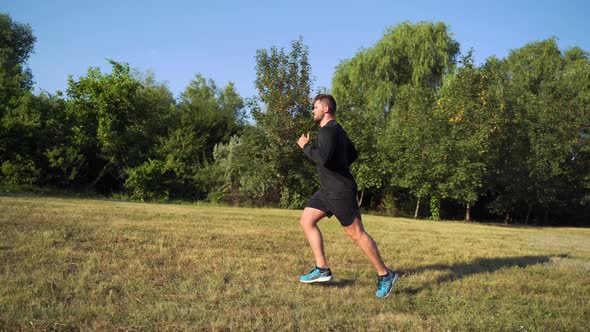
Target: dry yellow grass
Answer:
[[71, 264]]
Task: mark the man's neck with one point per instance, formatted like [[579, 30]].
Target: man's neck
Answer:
[[327, 118]]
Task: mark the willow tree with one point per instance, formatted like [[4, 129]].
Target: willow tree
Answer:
[[412, 142], [409, 57]]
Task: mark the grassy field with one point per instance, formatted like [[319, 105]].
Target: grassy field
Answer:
[[71, 264]]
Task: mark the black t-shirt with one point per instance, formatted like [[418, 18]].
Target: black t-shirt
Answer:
[[333, 152]]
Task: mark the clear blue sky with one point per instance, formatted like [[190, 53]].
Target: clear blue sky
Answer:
[[219, 38]]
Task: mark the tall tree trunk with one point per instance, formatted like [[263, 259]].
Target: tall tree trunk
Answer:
[[417, 209], [360, 200], [528, 213], [507, 218], [468, 212], [102, 173]]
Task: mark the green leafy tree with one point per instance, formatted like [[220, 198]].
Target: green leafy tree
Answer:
[[245, 171], [19, 123], [206, 116], [363, 117], [106, 123], [158, 109], [558, 136], [464, 114], [575, 92], [16, 45], [541, 140], [35, 130], [150, 180], [412, 144], [408, 62], [283, 81], [52, 135]]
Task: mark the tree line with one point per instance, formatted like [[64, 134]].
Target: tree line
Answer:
[[438, 136]]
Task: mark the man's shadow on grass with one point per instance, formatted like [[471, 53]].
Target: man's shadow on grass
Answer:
[[480, 265]]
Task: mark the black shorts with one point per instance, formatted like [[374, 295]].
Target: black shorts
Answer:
[[341, 204]]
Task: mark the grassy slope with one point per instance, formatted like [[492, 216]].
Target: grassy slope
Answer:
[[71, 264]]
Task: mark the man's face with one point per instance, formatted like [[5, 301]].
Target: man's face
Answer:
[[319, 111]]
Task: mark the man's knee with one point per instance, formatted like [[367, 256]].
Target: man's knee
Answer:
[[355, 234], [310, 217], [305, 221], [355, 231]]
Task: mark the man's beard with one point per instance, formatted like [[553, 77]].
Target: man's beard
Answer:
[[318, 119]]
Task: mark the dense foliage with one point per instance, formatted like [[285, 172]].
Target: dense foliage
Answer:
[[438, 135]]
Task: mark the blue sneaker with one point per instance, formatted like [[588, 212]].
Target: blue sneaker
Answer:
[[385, 284], [317, 275]]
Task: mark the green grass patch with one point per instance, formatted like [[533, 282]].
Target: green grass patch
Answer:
[[71, 264]]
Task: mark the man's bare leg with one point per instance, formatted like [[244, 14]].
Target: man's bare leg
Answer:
[[308, 221], [357, 233]]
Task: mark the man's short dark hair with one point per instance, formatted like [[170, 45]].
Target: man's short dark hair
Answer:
[[327, 100]]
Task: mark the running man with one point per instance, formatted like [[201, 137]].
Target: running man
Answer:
[[333, 152]]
